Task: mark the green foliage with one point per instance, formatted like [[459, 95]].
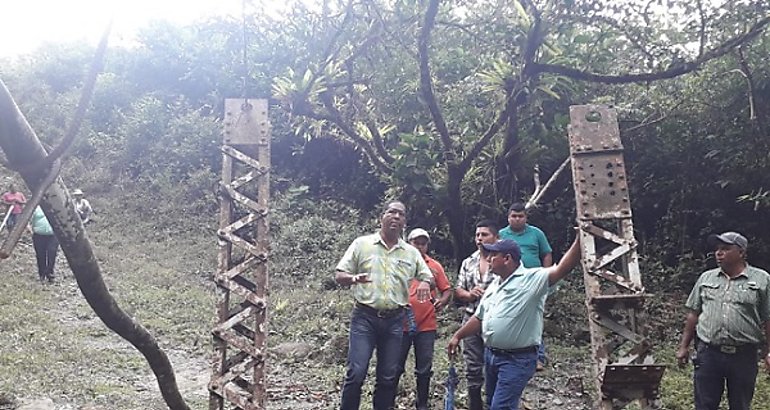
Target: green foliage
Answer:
[[310, 237]]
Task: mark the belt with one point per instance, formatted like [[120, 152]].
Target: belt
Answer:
[[509, 352], [381, 313], [732, 349]]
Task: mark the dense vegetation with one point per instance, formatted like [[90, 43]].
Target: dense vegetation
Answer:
[[353, 122]]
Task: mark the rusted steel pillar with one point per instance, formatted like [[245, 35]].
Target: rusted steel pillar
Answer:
[[625, 370], [238, 379]]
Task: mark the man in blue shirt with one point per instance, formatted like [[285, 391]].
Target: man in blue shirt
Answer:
[[510, 318], [535, 250]]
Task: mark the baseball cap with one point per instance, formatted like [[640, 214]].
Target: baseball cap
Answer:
[[505, 246], [416, 233], [730, 238]]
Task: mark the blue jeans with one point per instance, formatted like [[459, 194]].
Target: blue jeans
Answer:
[[423, 363], [369, 332], [506, 377], [713, 369], [541, 353]]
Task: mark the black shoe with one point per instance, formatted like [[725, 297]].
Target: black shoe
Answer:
[[474, 397]]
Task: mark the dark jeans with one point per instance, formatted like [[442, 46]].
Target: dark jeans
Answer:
[[506, 377], [473, 353], [11, 222], [713, 368], [369, 332], [46, 247], [423, 343]]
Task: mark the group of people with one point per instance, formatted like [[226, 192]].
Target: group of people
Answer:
[[43, 238], [399, 288], [503, 287]]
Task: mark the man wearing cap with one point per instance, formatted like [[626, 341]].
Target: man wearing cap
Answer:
[[82, 206], [729, 318], [510, 317], [423, 336], [472, 281], [535, 251], [379, 267]]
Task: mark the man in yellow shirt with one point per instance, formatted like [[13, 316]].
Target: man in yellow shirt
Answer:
[[379, 267]]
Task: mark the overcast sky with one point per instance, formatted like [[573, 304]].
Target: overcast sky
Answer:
[[25, 24]]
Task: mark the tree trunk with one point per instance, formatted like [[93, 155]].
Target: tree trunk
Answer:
[[25, 154], [455, 210]]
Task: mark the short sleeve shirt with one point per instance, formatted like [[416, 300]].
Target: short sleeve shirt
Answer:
[[12, 198], [470, 276], [390, 271], [532, 242], [511, 311], [731, 311], [40, 224], [424, 312]]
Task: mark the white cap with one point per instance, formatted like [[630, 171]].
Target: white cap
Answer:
[[77, 192], [416, 233]]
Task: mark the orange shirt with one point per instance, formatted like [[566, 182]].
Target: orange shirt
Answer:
[[425, 313]]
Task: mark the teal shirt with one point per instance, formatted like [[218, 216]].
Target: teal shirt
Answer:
[[731, 311], [511, 311], [40, 224], [533, 243], [389, 269]]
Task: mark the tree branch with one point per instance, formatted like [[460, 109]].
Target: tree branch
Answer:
[[426, 82], [501, 119], [335, 118], [538, 193], [672, 72], [20, 144], [746, 71], [85, 99], [378, 142]]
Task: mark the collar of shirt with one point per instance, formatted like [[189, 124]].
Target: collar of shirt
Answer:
[[378, 240], [518, 272], [743, 273]]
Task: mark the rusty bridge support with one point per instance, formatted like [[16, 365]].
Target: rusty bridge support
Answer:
[[238, 380], [625, 370]]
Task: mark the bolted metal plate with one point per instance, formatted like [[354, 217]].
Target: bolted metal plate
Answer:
[[597, 163], [632, 376], [593, 128], [246, 122]]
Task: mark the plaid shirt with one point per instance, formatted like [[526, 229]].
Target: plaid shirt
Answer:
[[470, 277], [731, 311], [390, 271]]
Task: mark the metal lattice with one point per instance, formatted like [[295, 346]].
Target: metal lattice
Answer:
[[241, 330], [625, 370]]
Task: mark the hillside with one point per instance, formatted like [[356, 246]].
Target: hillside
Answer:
[[57, 355]]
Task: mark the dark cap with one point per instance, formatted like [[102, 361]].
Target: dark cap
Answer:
[[730, 238], [505, 246]]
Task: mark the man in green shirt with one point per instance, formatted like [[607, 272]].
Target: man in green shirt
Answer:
[[535, 251], [729, 311], [510, 318], [379, 267]]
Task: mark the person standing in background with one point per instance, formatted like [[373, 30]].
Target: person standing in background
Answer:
[[423, 337], [82, 206], [46, 245], [16, 200], [471, 283]]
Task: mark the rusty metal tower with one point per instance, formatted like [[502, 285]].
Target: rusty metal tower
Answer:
[[237, 381], [625, 371]]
